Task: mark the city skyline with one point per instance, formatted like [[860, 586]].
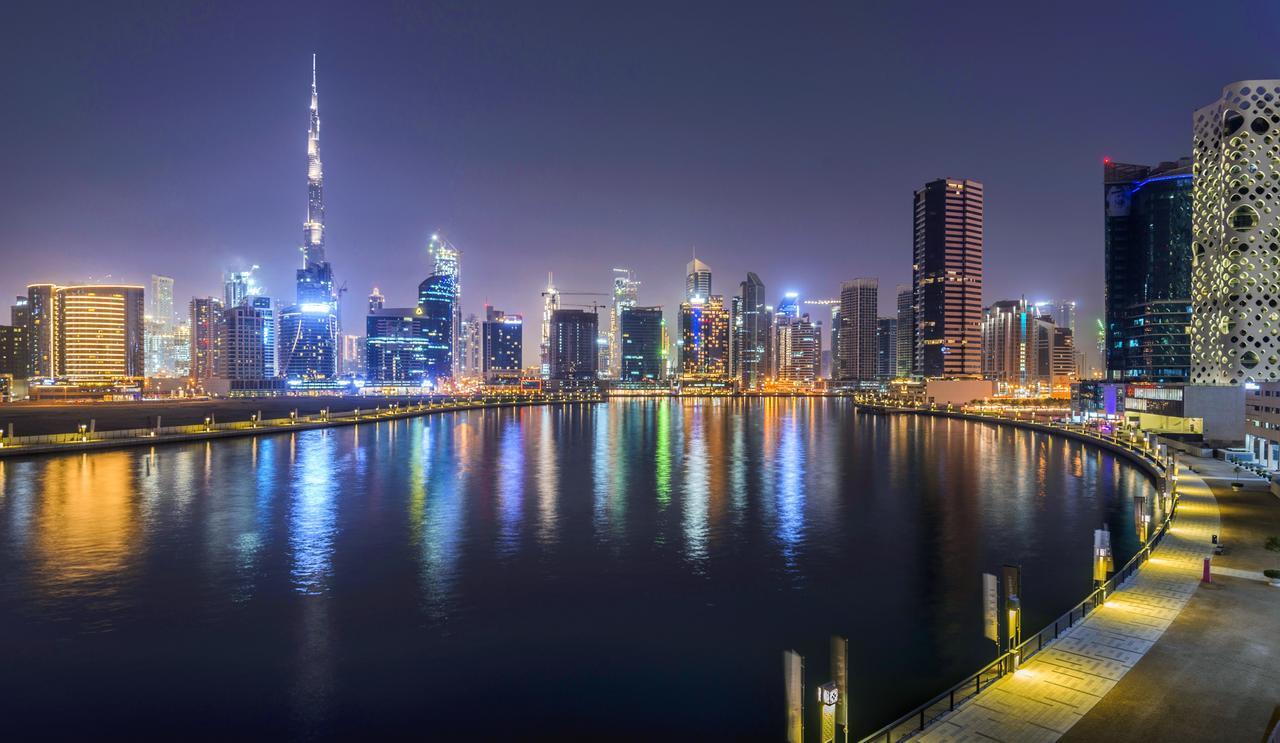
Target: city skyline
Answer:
[[846, 206]]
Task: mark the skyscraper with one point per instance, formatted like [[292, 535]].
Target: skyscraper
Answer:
[[946, 278], [241, 355], [1017, 345], [100, 335], [704, 329], [1147, 305], [438, 306], [906, 332], [1235, 280], [886, 348], [502, 347], [697, 280], [309, 328], [160, 301], [859, 301], [206, 316], [42, 346], [641, 344], [753, 334], [263, 306], [798, 347], [573, 345], [625, 294], [237, 286], [159, 327], [471, 347], [376, 300]]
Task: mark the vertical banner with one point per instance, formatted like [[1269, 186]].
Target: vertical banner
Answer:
[[990, 608], [793, 677], [1140, 518], [840, 672]]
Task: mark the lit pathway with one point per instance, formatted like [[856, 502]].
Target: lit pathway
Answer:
[[1064, 681]]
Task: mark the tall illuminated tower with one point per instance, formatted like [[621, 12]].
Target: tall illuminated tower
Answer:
[[309, 328]]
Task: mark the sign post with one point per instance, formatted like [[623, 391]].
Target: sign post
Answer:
[[1013, 610], [1140, 518], [829, 697], [991, 610], [793, 677], [840, 670], [1102, 563]]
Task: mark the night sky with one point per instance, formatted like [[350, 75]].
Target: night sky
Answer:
[[784, 139]]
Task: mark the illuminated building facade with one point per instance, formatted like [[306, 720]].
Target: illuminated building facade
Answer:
[[752, 327], [471, 348], [906, 333], [641, 335], [625, 295], [798, 344], [886, 348], [946, 278], [1024, 349], [1147, 305], [206, 316], [438, 308], [859, 301], [160, 343], [573, 352], [697, 281], [401, 347], [502, 346], [309, 328], [704, 331], [241, 352], [13, 351], [1235, 280], [42, 344], [99, 331]]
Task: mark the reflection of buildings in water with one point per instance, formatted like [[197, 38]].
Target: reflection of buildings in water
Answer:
[[548, 477], [436, 509], [312, 512], [662, 452], [86, 529], [695, 485], [510, 480], [790, 490]]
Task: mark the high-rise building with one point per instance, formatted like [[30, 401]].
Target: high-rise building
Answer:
[[402, 345], [753, 334], [99, 331], [697, 281], [906, 332], [886, 348], [625, 294], [376, 300], [946, 278], [309, 328], [798, 348], [1235, 280], [438, 299], [573, 344], [206, 316], [13, 351], [1147, 304], [1063, 312], [353, 354], [238, 286], [1023, 348], [160, 301], [42, 344], [789, 306], [241, 346], [159, 325], [270, 333], [704, 330], [641, 334], [182, 349], [471, 348], [502, 346], [859, 300]]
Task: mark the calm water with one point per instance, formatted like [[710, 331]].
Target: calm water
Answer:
[[635, 566]]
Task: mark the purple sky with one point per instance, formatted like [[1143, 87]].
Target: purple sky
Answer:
[[574, 138]]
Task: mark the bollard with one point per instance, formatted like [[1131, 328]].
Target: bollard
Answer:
[[1207, 577]]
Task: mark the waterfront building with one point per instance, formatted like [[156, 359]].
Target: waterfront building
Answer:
[[697, 281], [946, 278], [625, 295], [573, 345], [1235, 222], [13, 351], [206, 316], [238, 286], [753, 334], [270, 333], [376, 300], [182, 349], [502, 346], [160, 323], [1023, 349], [353, 355], [905, 351], [859, 300], [1147, 301], [471, 347], [642, 331], [42, 345], [403, 346], [438, 309], [241, 355], [798, 341], [704, 332], [886, 348], [99, 331], [309, 328]]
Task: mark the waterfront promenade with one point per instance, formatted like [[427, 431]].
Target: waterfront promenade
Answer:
[[1159, 654]]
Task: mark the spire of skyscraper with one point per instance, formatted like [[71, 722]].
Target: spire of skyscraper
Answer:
[[313, 229]]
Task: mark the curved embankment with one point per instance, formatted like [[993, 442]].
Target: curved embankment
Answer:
[[1081, 658], [92, 441]]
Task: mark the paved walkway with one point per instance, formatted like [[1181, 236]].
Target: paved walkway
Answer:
[[1057, 687]]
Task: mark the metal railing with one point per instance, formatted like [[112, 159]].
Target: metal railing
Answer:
[[919, 719]]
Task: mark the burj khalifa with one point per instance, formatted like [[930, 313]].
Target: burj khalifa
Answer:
[[309, 328]]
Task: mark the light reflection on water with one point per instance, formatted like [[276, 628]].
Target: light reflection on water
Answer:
[[586, 556]]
